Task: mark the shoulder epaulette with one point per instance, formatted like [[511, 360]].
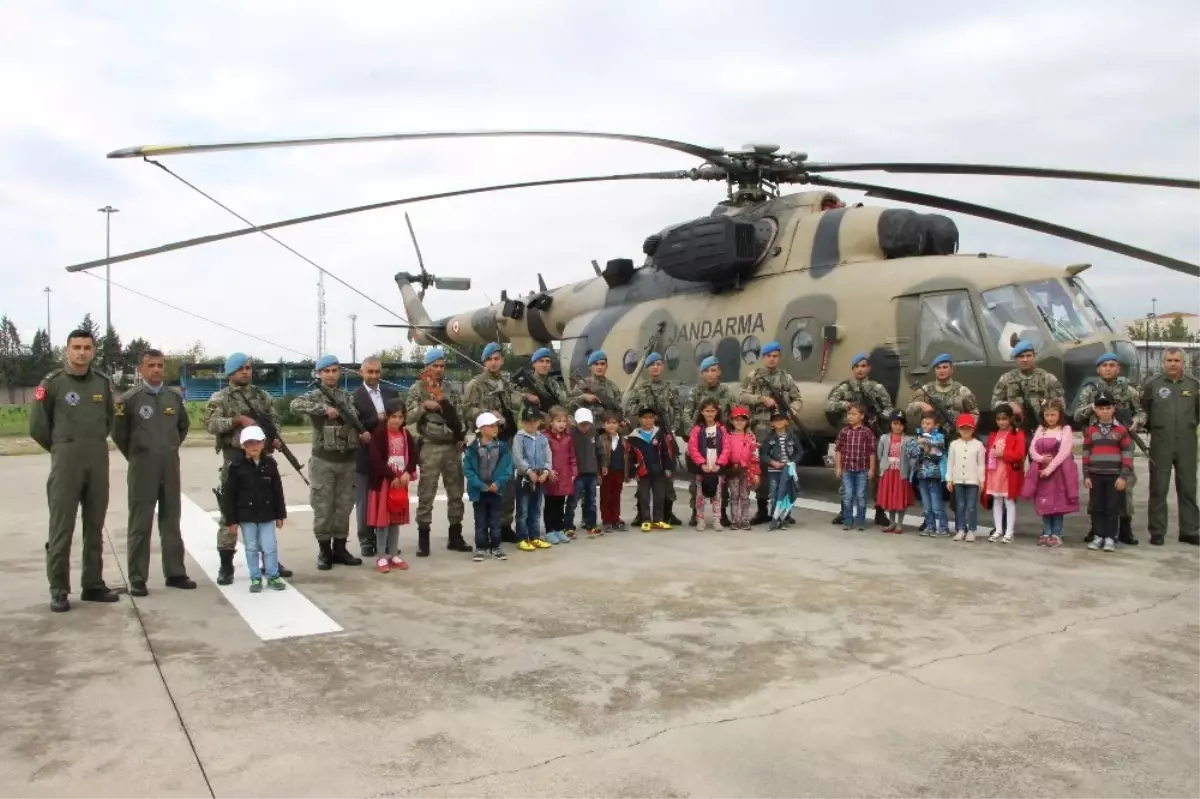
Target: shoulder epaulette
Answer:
[[128, 395], [53, 373]]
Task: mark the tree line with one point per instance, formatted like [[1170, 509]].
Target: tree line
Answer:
[[1154, 330]]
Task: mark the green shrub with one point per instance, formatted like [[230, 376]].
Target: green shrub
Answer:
[[283, 408]]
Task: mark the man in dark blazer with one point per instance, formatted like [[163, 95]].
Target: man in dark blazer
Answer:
[[369, 401]]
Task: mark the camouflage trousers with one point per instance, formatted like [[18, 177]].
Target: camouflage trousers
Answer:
[[444, 461], [331, 495], [225, 539]]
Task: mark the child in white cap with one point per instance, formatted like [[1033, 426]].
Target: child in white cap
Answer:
[[488, 466], [253, 500], [587, 480]]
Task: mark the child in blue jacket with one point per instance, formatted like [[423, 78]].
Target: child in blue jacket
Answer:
[[487, 466]]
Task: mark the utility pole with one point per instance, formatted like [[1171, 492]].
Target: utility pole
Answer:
[[108, 211], [49, 337], [320, 313], [353, 338]]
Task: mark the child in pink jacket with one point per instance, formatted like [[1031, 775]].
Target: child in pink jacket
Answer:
[[708, 455], [744, 467]]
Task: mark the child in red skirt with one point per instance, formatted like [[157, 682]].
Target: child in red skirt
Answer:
[[393, 462], [894, 493]]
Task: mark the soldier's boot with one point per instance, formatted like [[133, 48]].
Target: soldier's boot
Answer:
[[455, 542], [1125, 536], [762, 515], [225, 571], [422, 540], [325, 555], [284, 571], [138, 588], [101, 594], [59, 603], [1157, 539], [508, 535], [181, 581], [881, 517], [692, 519], [1190, 538], [669, 515], [342, 555]]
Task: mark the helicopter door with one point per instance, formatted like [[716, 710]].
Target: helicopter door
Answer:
[[944, 322]]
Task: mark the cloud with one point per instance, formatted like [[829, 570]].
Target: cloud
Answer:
[[1097, 85]]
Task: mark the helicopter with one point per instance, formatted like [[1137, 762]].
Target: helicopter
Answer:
[[825, 278]]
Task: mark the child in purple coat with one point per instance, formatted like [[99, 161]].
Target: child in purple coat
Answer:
[[1052, 482]]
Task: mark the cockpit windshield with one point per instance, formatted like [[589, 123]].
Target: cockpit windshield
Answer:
[[1086, 302], [1067, 320], [1009, 319]]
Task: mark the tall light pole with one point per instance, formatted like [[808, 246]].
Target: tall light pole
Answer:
[[49, 337], [108, 211], [354, 338]]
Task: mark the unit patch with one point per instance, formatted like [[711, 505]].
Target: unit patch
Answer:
[[146, 411], [72, 398]]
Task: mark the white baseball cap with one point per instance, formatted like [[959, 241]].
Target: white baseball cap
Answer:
[[486, 418], [253, 433], [583, 415]]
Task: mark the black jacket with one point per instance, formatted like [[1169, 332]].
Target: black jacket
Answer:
[[252, 492], [370, 420]]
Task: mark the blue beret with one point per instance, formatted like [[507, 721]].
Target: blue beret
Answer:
[[1023, 346], [598, 355], [491, 349], [857, 359], [653, 357], [235, 362], [326, 361], [769, 347], [1108, 356], [543, 352], [941, 359], [434, 354], [709, 363]]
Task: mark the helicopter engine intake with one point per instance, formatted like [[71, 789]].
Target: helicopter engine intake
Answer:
[[721, 250]]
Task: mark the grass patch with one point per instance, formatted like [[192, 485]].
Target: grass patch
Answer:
[[14, 421]]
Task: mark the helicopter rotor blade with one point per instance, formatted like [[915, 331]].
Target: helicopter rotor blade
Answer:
[[958, 206], [300, 220], [1007, 171], [412, 234], [452, 284], [712, 154]]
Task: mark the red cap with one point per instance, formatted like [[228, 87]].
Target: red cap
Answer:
[[739, 410], [965, 420]]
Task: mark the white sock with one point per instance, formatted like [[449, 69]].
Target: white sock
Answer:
[[998, 513], [1011, 505]]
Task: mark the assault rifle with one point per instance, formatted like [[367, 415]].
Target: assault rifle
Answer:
[[651, 346], [523, 378], [1029, 416], [781, 402], [939, 410], [510, 420], [272, 433], [584, 384], [872, 419], [1125, 417], [347, 415]]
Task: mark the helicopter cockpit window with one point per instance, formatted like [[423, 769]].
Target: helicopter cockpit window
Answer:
[[1009, 319], [947, 325], [703, 350], [1087, 301], [1058, 310], [750, 349], [630, 361]]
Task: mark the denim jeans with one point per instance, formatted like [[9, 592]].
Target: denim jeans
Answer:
[[585, 486], [966, 508], [930, 489], [259, 537], [854, 498], [1052, 524], [529, 510], [487, 521]]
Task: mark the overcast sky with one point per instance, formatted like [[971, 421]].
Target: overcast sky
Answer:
[[1095, 85]]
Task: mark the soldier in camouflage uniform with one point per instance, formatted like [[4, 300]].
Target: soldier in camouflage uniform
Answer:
[[860, 388], [953, 398], [1128, 403], [335, 442], [226, 413], [710, 387], [547, 391], [493, 391], [150, 421], [597, 393], [441, 436], [663, 396], [1027, 385], [757, 388]]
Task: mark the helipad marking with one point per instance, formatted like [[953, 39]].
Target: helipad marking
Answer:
[[272, 614]]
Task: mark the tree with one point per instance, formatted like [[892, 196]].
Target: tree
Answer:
[[1176, 330], [112, 355], [12, 356], [88, 324], [417, 353], [134, 350], [42, 358]]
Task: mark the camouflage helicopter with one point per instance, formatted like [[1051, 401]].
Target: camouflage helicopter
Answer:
[[824, 278]]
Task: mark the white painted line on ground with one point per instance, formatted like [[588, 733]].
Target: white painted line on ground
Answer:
[[272, 614]]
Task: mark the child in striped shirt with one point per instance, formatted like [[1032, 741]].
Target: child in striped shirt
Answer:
[[1107, 466]]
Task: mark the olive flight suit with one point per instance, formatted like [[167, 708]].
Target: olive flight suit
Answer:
[[1172, 412], [148, 427], [71, 419]]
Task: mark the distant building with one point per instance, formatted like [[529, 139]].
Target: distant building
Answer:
[[1190, 320], [199, 381], [1150, 357]]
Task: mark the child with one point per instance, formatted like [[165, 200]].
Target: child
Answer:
[[854, 464], [1107, 466], [744, 467], [1052, 481], [778, 452], [894, 493], [531, 461], [583, 435], [487, 467], [708, 455], [392, 461], [1005, 474], [929, 450], [653, 455], [612, 457], [966, 471], [563, 469], [253, 498]]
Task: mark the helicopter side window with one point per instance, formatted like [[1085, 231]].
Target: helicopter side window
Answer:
[[1087, 301], [750, 349], [703, 350], [1009, 319], [671, 356], [630, 361], [802, 340], [1058, 310], [947, 325]]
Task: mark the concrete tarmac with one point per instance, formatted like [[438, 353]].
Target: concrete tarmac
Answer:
[[810, 662]]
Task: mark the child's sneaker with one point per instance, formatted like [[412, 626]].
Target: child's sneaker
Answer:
[[498, 554], [970, 538], [276, 584], [478, 556], [256, 585], [994, 537], [383, 566], [525, 545], [960, 535], [1110, 545], [620, 525], [541, 543], [926, 531], [569, 535], [1043, 541], [398, 563], [718, 527], [700, 525], [1007, 539], [861, 528], [595, 532], [647, 527], [662, 526], [943, 533], [1095, 544], [1055, 541]]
